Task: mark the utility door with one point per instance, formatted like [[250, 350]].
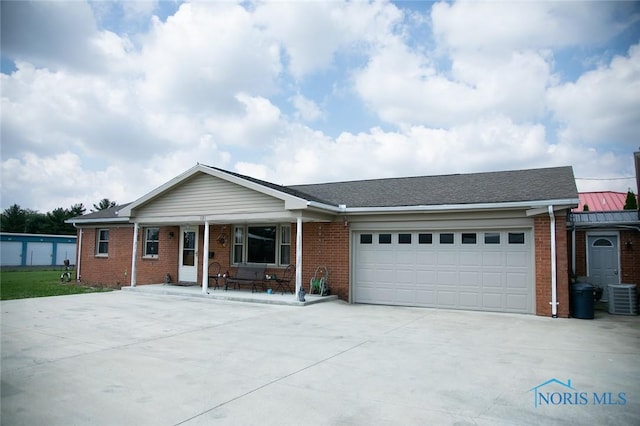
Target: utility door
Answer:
[[603, 261], [188, 269]]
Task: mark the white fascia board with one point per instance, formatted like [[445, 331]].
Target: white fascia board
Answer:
[[327, 207], [462, 207], [102, 220]]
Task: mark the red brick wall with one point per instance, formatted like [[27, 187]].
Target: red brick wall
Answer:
[[326, 244], [112, 270], [542, 238], [630, 257]]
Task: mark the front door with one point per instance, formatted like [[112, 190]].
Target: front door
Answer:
[[603, 261], [188, 269]]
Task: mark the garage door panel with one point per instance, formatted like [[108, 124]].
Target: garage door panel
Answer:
[[469, 279], [492, 258], [447, 277], [517, 280], [492, 280], [406, 276], [469, 300], [487, 275], [518, 258], [447, 258], [425, 297], [516, 302], [426, 257], [447, 299], [493, 301], [468, 258], [426, 277], [405, 296], [406, 257]]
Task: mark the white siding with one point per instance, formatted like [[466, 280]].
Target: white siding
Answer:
[[204, 194]]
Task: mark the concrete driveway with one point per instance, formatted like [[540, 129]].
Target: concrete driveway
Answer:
[[132, 359]]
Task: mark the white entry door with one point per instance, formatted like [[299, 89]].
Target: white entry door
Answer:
[[188, 269], [603, 261]]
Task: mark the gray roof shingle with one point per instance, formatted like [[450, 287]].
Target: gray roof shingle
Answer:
[[557, 183], [474, 188]]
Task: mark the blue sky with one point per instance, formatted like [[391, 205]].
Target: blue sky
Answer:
[[112, 99]]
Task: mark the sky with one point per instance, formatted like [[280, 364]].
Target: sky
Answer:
[[108, 99]]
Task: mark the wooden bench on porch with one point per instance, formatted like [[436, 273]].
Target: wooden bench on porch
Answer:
[[247, 275]]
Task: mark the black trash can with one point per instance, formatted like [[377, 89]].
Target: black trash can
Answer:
[[582, 300]]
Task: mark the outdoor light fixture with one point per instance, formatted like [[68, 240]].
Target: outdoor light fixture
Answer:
[[171, 235], [629, 244]]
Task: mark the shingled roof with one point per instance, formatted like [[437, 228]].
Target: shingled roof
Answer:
[[516, 186], [557, 183]]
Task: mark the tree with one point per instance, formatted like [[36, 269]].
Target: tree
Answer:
[[13, 219], [631, 203], [104, 204], [19, 220]]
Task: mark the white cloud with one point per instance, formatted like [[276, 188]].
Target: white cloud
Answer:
[[603, 106], [415, 93], [306, 109], [202, 56], [498, 26], [312, 32]]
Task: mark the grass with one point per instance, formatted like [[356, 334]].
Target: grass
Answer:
[[39, 283]]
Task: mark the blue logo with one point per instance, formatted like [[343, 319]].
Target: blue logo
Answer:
[[555, 392]]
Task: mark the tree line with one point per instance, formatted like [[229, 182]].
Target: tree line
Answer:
[[19, 220]]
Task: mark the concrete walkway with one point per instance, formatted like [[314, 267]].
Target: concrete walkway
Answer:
[[127, 358]]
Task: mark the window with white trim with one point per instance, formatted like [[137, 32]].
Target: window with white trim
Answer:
[[151, 242], [102, 242], [285, 244], [266, 244]]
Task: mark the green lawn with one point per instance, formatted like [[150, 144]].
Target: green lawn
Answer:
[[25, 284]]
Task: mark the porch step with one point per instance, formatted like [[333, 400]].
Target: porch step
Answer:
[[230, 295]]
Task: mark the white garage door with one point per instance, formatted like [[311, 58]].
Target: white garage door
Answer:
[[39, 253], [487, 270], [11, 253]]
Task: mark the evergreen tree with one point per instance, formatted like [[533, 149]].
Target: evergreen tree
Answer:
[[104, 204], [631, 202]]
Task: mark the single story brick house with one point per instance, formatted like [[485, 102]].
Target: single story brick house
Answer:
[[493, 241]]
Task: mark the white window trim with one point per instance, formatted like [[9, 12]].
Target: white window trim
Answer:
[[244, 244], [98, 241], [144, 246]]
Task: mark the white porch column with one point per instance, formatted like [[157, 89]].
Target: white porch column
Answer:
[[298, 255], [134, 253], [205, 259]]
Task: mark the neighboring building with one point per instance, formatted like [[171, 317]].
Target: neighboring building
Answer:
[[605, 241], [36, 249], [602, 201], [481, 241], [606, 247]]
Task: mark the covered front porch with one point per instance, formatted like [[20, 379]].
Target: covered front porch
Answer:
[[230, 295], [209, 216]]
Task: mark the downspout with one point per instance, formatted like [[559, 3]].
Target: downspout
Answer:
[[134, 254], [79, 254], [554, 283]]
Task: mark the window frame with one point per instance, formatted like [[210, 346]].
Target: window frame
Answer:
[[240, 244], [148, 241], [100, 241]]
